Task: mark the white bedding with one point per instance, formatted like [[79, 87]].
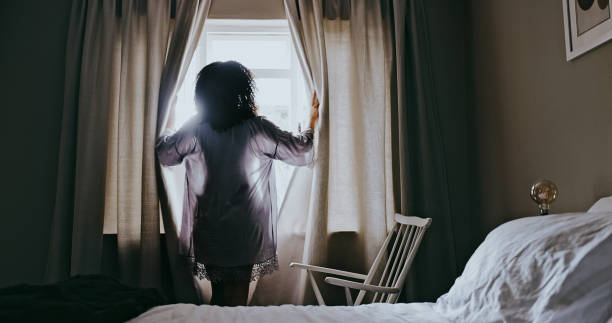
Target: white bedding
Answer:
[[383, 313], [555, 268]]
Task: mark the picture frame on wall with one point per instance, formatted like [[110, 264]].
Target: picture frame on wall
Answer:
[[587, 24]]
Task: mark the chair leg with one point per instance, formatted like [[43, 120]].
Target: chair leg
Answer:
[[315, 287], [349, 298]]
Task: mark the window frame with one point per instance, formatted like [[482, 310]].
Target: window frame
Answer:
[[264, 28]]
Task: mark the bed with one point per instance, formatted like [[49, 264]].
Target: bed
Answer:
[[555, 268]]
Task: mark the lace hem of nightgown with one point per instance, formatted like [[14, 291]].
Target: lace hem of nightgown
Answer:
[[251, 273]]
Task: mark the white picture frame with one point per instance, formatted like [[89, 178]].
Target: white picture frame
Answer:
[[585, 29]]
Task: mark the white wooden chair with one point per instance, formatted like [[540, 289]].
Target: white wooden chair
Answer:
[[408, 232]]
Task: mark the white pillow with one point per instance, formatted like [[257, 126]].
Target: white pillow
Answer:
[[604, 204], [552, 268]]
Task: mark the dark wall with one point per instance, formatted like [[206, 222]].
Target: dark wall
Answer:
[[33, 42]]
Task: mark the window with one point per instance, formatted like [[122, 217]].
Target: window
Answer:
[[265, 47]]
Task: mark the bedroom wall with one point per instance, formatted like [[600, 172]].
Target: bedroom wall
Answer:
[[32, 58], [252, 9], [537, 115]]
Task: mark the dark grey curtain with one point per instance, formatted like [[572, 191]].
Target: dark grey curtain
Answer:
[[60, 244], [434, 141]]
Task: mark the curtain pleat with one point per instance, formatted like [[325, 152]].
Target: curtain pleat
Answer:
[[145, 26], [308, 32], [98, 88]]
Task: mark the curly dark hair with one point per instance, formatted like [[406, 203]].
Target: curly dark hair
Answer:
[[225, 94]]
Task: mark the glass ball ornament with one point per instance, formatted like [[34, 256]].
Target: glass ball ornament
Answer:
[[544, 192]]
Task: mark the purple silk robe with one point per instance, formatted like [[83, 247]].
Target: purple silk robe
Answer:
[[229, 209]]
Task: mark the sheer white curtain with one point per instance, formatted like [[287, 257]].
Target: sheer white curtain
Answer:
[[344, 51], [130, 61]]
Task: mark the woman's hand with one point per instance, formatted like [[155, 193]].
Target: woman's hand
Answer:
[[314, 114]]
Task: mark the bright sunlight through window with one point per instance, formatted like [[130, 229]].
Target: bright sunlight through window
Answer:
[[264, 47]]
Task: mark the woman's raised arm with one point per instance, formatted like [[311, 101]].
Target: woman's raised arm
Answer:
[[282, 145], [172, 148]]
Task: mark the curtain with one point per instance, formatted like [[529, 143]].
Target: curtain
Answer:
[[123, 66], [342, 51], [91, 71], [431, 117]]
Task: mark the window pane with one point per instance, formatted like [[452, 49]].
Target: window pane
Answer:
[[255, 52], [273, 91], [273, 98]]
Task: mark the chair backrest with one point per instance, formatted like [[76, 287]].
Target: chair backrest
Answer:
[[407, 234]]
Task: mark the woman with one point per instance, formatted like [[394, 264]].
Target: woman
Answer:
[[230, 211]]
